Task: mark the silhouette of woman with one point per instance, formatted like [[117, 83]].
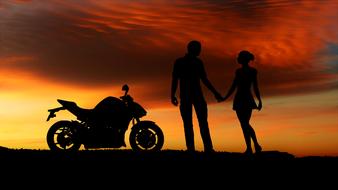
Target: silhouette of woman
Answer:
[[244, 101]]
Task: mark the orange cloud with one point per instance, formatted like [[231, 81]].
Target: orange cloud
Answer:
[[84, 52], [105, 42], [100, 43]]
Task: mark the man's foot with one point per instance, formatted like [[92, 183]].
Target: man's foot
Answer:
[[191, 150], [209, 150], [248, 152]]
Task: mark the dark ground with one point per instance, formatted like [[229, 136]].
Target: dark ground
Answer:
[[171, 168]]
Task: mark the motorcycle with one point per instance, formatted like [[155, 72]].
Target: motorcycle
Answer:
[[104, 126]]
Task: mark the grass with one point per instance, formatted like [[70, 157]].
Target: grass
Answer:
[[171, 168]]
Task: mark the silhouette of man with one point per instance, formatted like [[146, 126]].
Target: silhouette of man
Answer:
[[189, 71]]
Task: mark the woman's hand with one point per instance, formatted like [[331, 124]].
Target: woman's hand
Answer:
[[260, 106]]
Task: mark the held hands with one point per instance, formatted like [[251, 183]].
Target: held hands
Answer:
[[218, 97], [174, 100], [222, 99]]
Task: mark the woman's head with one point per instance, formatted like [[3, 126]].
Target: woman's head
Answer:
[[244, 57]]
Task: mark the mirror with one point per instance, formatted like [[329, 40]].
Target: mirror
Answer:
[[125, 88]]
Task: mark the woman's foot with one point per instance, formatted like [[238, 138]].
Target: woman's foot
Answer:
[[258, 149]]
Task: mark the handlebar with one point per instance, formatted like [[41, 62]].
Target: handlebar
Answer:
[[127, 98]]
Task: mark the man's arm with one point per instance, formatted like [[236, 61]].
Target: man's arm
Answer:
[[174, 83], [208, 84], [173, 91]]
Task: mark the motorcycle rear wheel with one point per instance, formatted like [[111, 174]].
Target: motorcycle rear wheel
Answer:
[[62, 137], [146, 136]]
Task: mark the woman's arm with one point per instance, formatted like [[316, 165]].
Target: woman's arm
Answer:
[[256, 90], [231, 90]]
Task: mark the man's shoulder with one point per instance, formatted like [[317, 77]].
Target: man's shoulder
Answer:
[[238, 70], [180, 60], [251, 69], [184, 62]]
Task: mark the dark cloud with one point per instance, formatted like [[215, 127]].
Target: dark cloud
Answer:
[[66, 52]]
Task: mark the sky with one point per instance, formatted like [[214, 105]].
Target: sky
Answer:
[[85, 50]]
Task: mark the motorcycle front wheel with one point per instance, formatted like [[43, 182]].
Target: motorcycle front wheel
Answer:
[[146, 136], [62, 137]]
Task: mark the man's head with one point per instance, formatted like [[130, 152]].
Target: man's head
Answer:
[[194, 48]]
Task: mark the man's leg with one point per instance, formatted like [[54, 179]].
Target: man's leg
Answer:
[[202, 116], [186, 113]]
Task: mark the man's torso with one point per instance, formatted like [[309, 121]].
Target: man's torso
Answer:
[[189, 71]]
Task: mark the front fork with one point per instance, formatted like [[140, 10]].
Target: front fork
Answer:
[[136, 120]]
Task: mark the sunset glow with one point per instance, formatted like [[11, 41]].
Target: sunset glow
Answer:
[[86, 50]]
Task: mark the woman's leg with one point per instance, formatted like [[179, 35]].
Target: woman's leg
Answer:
[[258, 148], [243, 117], [252, 133]]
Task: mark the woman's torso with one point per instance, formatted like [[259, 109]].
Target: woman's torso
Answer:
[[245, 77]]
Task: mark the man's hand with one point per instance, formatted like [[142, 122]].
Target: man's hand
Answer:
[[174, 101]]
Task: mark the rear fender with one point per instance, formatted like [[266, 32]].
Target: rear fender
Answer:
[[76, 126], [53, 111]]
